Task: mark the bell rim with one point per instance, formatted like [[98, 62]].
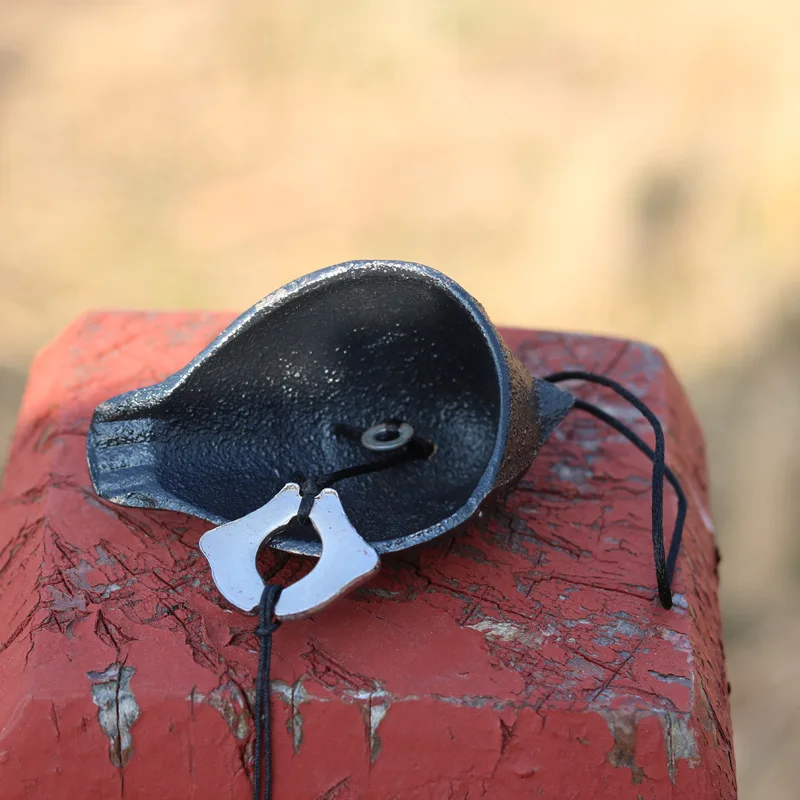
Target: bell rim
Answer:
[[149, 397]]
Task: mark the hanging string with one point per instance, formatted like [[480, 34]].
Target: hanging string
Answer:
[[262, 751], [416, 449], [665, 567]]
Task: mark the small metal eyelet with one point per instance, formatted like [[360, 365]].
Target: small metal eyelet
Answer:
[[387, 436]]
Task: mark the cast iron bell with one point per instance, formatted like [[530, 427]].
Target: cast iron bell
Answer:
[[390, 349]]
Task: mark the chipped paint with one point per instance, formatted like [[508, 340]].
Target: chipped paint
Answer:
[[705, 517], [294, 695], [621, 627], [680, 742], [570, 473], [681, 680], [679, 600], [505, 631], [231, 702], [103, 558], [375, 705], [377, 711], [117, 709], [623, 726], [680, 641]]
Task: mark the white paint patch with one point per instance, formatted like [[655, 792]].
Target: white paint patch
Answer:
[[118, 710], [679, 600], [680, 742], [705, 517], [572, 474], [377, 711], [506, 631], [680, 641], [294, 695]]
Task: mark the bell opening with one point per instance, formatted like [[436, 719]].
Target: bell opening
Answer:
[[265, 405]]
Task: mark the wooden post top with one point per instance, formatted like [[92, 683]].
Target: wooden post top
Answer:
[[526, 656]]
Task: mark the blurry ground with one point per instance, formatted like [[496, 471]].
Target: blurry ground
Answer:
[[616, 167]]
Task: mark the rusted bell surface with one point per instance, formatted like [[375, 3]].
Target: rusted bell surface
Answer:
[[350, 345]]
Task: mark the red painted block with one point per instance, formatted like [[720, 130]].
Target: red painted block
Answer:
[[525, 657]]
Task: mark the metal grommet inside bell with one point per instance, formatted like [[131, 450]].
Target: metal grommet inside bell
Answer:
[[386, 436]]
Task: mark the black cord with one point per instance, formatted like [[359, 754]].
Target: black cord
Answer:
[[665, 567], [262, 755]]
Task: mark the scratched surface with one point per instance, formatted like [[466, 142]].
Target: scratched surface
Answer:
[[525, 657]]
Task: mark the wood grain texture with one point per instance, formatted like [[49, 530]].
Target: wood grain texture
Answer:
[[526, 656]]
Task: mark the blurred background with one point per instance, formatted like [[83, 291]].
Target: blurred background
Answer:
[[620, 167]]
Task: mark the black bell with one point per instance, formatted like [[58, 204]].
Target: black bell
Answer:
[[351, 365]]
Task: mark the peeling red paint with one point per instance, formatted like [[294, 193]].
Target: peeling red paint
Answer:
[[527, 656]]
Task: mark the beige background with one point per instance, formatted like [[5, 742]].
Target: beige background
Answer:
[[626, 167]]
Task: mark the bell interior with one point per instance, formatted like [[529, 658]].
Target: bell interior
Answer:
[[263, 409]]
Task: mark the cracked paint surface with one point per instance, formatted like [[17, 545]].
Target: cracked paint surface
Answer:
[[477, 666]]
